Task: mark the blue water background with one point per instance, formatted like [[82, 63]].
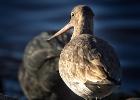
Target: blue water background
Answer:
[[117, 21]]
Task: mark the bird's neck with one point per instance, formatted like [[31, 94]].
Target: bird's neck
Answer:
[[84, 27]]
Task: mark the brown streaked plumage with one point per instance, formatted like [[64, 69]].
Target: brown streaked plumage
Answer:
[[88, 65], [38, 75]]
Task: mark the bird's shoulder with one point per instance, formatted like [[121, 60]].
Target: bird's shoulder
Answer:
[[92, 51]]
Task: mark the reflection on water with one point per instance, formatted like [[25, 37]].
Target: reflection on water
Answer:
[[116, 21]]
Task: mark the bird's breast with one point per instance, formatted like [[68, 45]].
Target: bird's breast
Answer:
[[81, 60], [72, 65]]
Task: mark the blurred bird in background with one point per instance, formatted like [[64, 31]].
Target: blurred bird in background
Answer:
[[38, 74]]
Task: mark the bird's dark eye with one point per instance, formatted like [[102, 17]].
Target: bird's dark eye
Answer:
[[72, 14]]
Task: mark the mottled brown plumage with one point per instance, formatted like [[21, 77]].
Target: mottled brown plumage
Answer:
[[38, 75], [88, 65]]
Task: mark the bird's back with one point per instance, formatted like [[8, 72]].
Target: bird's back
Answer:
[[86, 62], [38, 75], [39, 71]]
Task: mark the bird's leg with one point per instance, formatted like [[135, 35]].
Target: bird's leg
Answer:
[[96, 98]]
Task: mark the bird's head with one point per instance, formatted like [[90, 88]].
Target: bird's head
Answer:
[[81, 21]]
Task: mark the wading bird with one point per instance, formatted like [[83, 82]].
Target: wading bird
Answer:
[[38, 75], [88, 65]]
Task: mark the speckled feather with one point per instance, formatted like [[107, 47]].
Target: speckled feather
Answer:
[[88, 65], [87, 60], [38, 74]]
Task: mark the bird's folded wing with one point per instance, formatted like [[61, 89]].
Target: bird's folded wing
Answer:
[[95, 71], [37, 59]]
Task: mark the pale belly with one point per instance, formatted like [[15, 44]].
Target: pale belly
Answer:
[[76, 82], [73, 81], [77, 85]]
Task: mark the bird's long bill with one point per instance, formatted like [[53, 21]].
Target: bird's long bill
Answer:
[[63, 30]]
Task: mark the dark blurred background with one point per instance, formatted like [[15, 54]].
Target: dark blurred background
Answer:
[[117, 21]]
